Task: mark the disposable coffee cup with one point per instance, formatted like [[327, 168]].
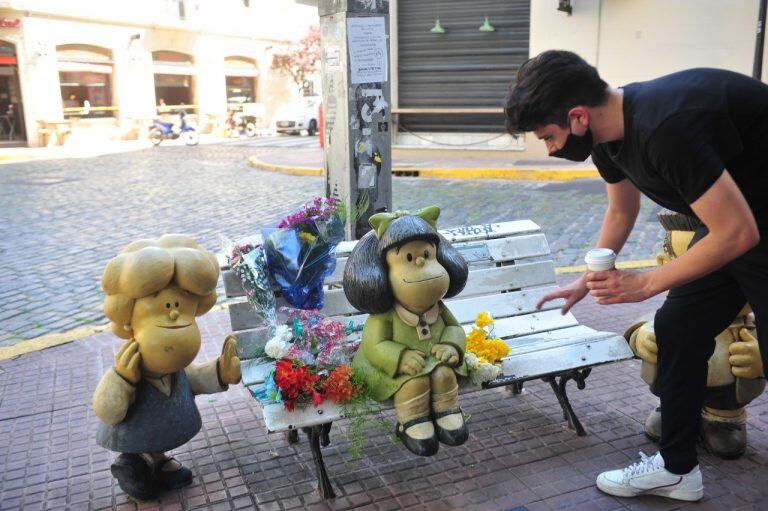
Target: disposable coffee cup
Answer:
[[600, 259]]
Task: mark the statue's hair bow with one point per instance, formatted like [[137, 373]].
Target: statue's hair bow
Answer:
[[381, 221]]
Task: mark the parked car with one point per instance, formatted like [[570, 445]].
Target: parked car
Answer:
[[302, 116]]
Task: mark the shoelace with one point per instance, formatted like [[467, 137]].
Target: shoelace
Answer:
[[645, 464]]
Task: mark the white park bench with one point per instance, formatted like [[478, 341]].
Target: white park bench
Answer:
[[509, 271]]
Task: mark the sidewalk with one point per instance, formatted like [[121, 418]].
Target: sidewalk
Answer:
[[520, 452], [451, 164]]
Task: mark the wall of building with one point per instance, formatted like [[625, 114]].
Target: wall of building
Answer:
[[209, 33], [641, 39]]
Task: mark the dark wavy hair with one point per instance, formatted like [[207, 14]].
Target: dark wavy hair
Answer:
[[366, 276], [547, 87]]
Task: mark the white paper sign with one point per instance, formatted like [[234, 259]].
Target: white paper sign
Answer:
[[367, 49]]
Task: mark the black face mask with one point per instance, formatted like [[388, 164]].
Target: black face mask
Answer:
[[576, 148]]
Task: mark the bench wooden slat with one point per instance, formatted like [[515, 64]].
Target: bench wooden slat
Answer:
[[475, 252], [461, 234], [254, 371], [507, 278], [516, 326], [595, 349]]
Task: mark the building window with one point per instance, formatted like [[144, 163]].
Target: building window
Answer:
[[85, 76], [241, 78], [174, 92], [175, 8], [174, 81], [241, 89]]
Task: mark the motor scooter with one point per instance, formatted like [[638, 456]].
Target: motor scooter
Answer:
[[160, 131], [238, 124]]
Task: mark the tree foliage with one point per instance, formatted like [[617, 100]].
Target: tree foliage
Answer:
[[301, 59]]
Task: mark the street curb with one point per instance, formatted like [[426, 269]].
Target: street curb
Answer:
[[48, 341], [512, 173], [56, 339], [11, 158]]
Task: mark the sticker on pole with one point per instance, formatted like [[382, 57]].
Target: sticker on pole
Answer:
[[367, 42], [367, 177]]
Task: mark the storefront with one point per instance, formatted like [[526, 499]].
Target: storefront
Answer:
[[456, 55], [11, 113], [85, 77], [174, 79]]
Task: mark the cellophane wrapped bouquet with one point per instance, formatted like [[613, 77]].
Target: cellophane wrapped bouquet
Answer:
[[300, 252]]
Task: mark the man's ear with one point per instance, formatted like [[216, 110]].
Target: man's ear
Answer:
[[578, 118]]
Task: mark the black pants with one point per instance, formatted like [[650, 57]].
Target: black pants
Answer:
[[686, 327]]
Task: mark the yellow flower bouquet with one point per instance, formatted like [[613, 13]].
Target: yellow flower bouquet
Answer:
[[484, 350]]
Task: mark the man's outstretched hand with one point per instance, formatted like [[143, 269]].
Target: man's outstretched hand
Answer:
[[619, 286], [573, 293]]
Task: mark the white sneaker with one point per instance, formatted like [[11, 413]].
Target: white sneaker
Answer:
[[649, 477]]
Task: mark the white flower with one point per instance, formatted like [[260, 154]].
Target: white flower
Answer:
[[484, 372], [277, 347], [471, 360], [283, 333]]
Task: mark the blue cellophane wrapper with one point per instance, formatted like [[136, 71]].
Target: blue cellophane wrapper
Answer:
[[300, 258]]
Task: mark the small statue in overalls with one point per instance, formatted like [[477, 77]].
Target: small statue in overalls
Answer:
[[735, 373], [155, 289]]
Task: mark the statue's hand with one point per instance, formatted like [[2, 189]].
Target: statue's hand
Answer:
[[228, 363], [745, 356], [446, 354], [411, 362], [128, 361], [643, 342]]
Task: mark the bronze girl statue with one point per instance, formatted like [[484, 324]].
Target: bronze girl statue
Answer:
[[412, 346], [155, 290]]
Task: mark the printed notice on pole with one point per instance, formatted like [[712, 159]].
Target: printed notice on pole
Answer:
[[367, 49]]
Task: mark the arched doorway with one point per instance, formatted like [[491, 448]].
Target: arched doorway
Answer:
[[85, 75], [174, 80], [11, 111], [241, 76]]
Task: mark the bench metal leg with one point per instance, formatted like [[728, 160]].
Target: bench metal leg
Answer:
[[558, 387], [318, 434], [292, 436]]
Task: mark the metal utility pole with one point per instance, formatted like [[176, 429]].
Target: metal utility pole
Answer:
[[757, 69], [356, 105]]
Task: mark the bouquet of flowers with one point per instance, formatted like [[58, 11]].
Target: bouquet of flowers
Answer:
[[313, 361], [484, 351], [249, 263], [300, 252]]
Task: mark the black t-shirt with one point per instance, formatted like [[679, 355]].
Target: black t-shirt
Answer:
[[682, 130]]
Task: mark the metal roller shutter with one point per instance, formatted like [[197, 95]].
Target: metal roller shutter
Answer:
[[462, 68]]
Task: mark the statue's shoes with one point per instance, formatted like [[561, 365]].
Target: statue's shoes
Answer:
[[134, 476], [171, 479], [451, 437], [419, 447], [725, 439]]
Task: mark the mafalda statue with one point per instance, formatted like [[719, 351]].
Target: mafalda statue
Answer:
[[735, 373], [155, 289], [412, 346]]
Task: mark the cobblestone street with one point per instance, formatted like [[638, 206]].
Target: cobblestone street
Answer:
[[62, 220]]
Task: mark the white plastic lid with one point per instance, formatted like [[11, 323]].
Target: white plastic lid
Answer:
[[600, 255]]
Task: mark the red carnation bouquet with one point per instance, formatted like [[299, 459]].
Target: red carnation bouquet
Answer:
[[298, 383]]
